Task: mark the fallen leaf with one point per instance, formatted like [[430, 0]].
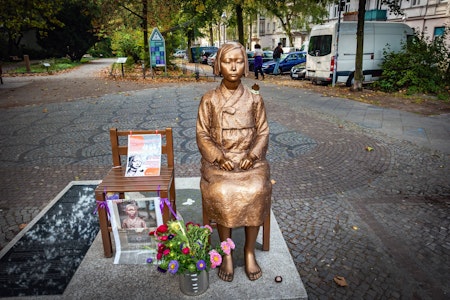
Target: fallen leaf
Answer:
[[340, 280], [368, 148], [273, 181], [355, 227], [22, 226]]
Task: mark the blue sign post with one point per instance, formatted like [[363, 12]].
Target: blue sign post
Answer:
[[157, 50]]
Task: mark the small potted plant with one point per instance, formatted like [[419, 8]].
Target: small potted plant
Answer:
[[185, 249]]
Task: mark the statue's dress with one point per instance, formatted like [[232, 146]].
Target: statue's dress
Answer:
[[233, 125]]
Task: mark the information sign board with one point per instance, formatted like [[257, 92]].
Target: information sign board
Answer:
[[157, 49]]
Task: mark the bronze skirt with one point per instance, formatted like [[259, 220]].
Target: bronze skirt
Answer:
[[237, 198]]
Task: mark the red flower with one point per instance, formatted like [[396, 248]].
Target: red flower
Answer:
[[166, 252], [163, 238], [159, 256], [186, 250], [162, 228]]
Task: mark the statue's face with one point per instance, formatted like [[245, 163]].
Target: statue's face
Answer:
[[232, 65]]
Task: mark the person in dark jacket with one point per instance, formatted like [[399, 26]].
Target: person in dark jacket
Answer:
[[276, 57]]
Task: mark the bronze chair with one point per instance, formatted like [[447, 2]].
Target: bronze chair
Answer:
[[116, 182]]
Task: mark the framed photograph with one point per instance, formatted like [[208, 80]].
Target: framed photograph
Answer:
[[131, 222]]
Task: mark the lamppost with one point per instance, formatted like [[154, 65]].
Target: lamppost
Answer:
[[224, 19]]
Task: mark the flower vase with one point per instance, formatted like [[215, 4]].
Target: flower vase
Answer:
[[193, 284]]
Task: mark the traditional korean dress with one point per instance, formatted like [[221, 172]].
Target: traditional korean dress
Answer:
[[233, 125]]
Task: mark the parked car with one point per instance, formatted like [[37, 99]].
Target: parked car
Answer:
[[180, 54], [299, 71], [286, 63], [267, 56], [200, 54], [206, 54], [211, 59]]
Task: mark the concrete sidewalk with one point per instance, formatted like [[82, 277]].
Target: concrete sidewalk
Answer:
[[432, 132]]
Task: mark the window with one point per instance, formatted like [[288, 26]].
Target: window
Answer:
[[415, 2], [345, 7], [319, 45], [438, 32], [262, 25], [274, 26]]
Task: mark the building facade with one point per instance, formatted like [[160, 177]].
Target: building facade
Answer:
[[427, 16]]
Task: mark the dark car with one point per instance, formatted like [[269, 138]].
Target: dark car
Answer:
[[267, 56], [286, 63], [206, 54], [299, 71], [200, 54]]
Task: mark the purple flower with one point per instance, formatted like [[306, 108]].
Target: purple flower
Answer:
[[149, 260], [201, 265], [173, 266]]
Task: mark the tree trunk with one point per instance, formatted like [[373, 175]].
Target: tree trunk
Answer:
[[145, 25], [357, 84], [190, 37], [211, 35], [240, 24]]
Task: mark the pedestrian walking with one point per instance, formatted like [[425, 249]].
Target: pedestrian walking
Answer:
[[276, 57], [258, 61]]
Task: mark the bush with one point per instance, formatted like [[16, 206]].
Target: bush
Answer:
[[101, 48], [422, 66], [128, 43]]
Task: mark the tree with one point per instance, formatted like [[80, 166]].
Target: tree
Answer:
[[19, 16], [76, 35], [357, 84], [296, 13], [198, 14], [394, 6]]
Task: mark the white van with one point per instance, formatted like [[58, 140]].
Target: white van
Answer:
[[320, 60]]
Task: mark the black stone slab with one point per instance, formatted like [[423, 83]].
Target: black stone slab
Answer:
[[44, 259]]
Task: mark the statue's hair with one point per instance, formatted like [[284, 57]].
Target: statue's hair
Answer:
[[227, 47]]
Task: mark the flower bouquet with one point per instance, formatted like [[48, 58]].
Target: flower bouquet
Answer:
[[185, 248]]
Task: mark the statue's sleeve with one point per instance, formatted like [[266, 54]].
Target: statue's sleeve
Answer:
[[205, 142], [261, 142]]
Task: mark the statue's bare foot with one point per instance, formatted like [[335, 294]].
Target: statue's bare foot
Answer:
[[252, 268], [226, 270]]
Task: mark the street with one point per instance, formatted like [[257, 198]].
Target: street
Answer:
[[360, 192]]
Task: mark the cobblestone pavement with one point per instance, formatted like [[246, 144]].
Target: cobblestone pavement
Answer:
[[379, 218]]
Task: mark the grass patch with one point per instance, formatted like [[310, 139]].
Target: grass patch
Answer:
[[56, 65]]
